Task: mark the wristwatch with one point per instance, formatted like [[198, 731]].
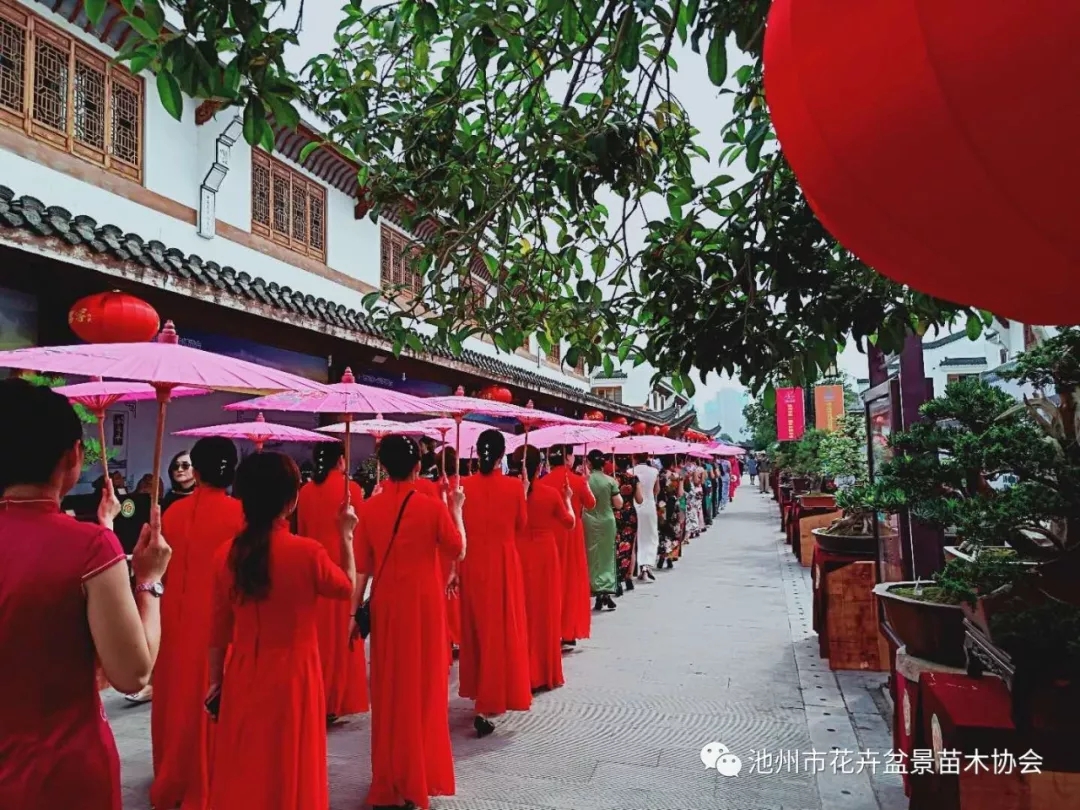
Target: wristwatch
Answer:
[[152, 588]]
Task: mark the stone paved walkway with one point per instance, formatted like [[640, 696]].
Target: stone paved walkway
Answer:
[[718, 649]]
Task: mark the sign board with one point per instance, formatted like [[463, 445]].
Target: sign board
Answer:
[[790, 414]]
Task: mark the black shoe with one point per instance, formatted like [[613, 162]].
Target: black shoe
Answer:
[[483, 726], [331, 719], [649, 574], [599, 604], [629, 585], [618, 589], [609, 603], [670, 564]]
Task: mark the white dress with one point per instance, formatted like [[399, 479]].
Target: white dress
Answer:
[[648, 532]]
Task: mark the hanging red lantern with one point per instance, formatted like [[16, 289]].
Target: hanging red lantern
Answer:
[[665, 430], [503, 395], [639, 428], [113, 317], [654, 430], [619, 420], [594, 416], [902, 119]]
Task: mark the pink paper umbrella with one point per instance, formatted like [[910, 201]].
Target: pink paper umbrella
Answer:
[[378, 428], [98, 396], [566, 434], [260, 431], [163, 363], [347, 397], [459, 406]]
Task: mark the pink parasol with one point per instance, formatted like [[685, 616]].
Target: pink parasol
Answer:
[[98, 396], [378, 428], [459, 406], [654, 445], [163, 363], [724, 449], [589, 433], [347, 397], [260, 431]]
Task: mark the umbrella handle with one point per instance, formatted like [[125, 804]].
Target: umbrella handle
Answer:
[[163, 392], [348, 456], [101, 440]]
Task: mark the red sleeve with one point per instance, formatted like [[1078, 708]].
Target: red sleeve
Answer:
[[330, 580], [446, 532], [362, 551], [563, 516], [103, 551], [584, 492], [356, 493], [221, 618], [522, 521]]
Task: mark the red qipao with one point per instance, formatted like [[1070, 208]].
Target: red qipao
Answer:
[[577, 594], [56, 748], [493, 664], [270, 750], [196, 528], [736, 476], [539, 550], [411, 758], [453, 604], [344, 669]]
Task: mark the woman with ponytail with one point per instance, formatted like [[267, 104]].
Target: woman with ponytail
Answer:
[[549, 512], [577, 619], [270, 748], [344, 670], [493, 665], [198, 527], [403, 530]]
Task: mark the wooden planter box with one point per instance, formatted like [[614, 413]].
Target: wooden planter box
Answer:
[[852, 639], [929, 630], [809, 524]]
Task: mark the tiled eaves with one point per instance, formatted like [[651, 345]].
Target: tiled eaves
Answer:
[[133, 256]]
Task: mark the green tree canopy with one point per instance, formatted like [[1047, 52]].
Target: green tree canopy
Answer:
[[535, 132]]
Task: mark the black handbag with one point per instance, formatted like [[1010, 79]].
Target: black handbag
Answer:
[[363, 613]]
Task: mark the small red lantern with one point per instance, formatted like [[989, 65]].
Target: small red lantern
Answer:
[[665, 430], [639, 428], [503, 395], [899, 119], [594, 416], [619, 420], [114, 317], [654, 430]]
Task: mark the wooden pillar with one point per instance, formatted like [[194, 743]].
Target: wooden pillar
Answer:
[[922, 545]]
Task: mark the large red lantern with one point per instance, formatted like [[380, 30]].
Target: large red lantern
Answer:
[[619, 420], [113, 317], [594, 416], [639, 428], [654, 430], [665, 430], [905, 124]]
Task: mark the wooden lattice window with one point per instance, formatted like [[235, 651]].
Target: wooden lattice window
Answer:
[[287, 207], [554, 354], [64, 94], [397, 254], [477, 297]]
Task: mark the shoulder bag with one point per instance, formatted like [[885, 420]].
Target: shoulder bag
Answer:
[[363, 613]]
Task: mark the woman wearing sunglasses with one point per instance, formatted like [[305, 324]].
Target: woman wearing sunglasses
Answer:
[[181, 478]]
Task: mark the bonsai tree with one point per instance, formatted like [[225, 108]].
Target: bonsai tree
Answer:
[[805, 458], [843, 452]]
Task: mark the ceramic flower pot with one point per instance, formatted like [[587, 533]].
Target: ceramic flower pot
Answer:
[[929, 630]]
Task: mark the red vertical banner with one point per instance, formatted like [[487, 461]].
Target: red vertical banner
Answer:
[[828, 405], [790, 414]]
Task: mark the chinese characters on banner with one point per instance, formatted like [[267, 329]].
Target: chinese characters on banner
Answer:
[[828, 405], [790, 414]]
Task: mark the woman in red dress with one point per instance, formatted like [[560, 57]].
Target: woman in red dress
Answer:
[[199, 526], [270, 748], [493, 664], [343, 666], [577, 593], [403, 531], [65, 598], [549, 512]]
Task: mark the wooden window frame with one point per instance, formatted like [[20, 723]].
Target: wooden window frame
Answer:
[[24, 117], [554, 354], [396, 273], [313, 240], [602, 391]]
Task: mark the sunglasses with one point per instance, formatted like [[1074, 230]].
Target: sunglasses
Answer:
[[182, 465]]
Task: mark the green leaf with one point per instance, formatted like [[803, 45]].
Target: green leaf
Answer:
[[171, 97], [95, 9], [414, 342], [974, 327], [769, 397], [369, 301], [716, 59], [609, 365], [142, 27], [421, 52], [254, 116], [153, 13], [284, 112], [128, 6], [306, 152]]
